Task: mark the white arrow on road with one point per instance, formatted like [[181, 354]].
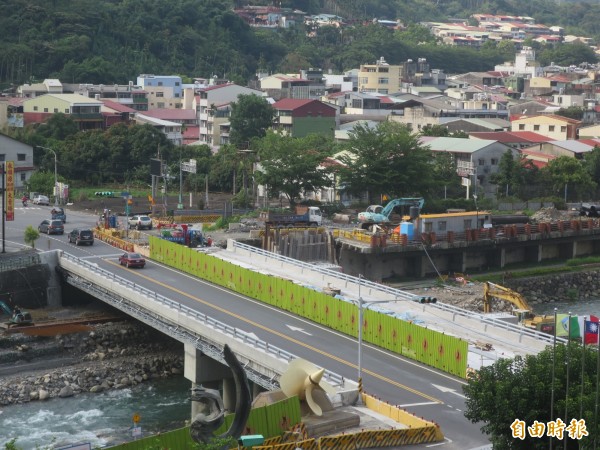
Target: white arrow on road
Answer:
[[300, 330], [445, 389]]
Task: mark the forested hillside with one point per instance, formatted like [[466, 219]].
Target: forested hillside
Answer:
[[109, 41]]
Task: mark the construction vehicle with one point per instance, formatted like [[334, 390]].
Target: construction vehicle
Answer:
[[380, 215], [17, 317], [304, 215], [522, 309], [184, 235]]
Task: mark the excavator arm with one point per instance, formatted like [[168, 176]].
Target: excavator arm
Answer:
[[4, 307], [414, 201], [491, 290]]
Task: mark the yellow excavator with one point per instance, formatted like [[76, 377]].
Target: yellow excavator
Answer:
[[522, 309]]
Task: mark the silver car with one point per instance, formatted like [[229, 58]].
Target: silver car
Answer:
[[140, 222]]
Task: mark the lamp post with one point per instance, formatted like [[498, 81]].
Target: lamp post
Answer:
[[55, 175], [476, 211]]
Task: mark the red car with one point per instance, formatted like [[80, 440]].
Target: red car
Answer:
[[132, 260]]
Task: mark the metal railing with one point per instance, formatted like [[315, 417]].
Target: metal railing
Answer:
[[205, 345], [19, 262], [399, 295]]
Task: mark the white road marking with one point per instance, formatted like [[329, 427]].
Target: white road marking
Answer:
[[446, 389], [300, 330], [407, 405]]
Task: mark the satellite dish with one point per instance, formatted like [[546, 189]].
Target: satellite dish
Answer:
[[301, 379]]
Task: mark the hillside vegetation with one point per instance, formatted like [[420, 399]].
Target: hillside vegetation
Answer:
[[108, 42]]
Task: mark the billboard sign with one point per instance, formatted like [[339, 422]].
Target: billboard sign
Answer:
[[10, 190], [189, 166]]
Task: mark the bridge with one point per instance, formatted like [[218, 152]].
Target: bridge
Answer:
[[203, 337]]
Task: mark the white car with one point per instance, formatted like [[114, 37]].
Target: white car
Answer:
[[41, 200], [140, 222]]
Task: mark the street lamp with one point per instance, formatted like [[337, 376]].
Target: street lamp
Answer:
[[55, 175], [476, 211]]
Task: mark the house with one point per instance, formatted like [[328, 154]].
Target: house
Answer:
[[538, 159], [48, 86], [22, 156], [83, 110], [129, 95], [555, 127], [343, 133], [299, 117], [114, 112], [591, 131], [384, 78], [213, 108], [281, 86], [172, 130], [164, 91], [474, 125], [476, 159], [569, 147]]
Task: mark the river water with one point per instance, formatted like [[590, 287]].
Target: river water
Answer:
[[577, 308], [101, 419]]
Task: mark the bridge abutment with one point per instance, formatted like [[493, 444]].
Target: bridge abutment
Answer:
[[53, 288]]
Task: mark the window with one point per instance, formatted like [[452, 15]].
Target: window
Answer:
[[382, 80], [481, 162], [428, 227], [442, 226], [66, 110], [384, 70], [494, 161], [160, 94], [55, 110], [21, 156], [563, 129], [177, 83], [521, 126], [2, 157], [45, 109], [176, 95], [160, 83], [23, 176], [35, 108], [160, 105], [550, 127], [536, 128], [468, 224], [363, 80], [383, 91]]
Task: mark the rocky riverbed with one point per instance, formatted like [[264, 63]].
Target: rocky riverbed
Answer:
[[109, 356]]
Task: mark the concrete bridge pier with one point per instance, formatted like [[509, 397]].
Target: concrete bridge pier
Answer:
[[203, 370], [53, 289]]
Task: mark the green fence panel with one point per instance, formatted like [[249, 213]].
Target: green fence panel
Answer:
[[257, 421], [260, 287], [279, 291]]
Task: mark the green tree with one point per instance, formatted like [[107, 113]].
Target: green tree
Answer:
[[521, 388], [569, 175], [386, 160], [572, 112], [31, 235], [41, 182], [506, 177], [292, 166], [251, 116]]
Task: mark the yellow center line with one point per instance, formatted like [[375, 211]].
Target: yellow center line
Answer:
[[281, 335]]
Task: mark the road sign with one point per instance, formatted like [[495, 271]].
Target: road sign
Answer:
[[125, 194], [189, 166], [136, 418]]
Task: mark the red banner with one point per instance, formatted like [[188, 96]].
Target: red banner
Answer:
[[10, 190]]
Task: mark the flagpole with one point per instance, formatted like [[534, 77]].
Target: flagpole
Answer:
[[567, 381], [553, 364], [582, 368]]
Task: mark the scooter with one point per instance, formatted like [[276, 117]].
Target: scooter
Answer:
[[24, 202]]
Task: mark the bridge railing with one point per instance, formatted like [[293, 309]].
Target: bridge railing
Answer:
[[398, 294], [333, 378]]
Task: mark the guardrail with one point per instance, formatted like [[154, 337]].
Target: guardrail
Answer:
[[331, 377], [399, 295]]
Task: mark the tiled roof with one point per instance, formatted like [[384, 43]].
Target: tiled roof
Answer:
[[119, 107], [511, 136], [291, 103]]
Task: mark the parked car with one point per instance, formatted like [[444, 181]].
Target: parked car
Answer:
[[50, 226], [81, 236], [132, 260], [140, 222], [41, 200], [58, 213]]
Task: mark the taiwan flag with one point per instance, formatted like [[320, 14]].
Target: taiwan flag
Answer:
[[590, 334]]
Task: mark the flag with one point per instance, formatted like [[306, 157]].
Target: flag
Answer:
[[561, 325], [591, 331], [569, 329]]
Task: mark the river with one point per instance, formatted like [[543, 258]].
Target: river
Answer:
[[101, 419], [577, 308]]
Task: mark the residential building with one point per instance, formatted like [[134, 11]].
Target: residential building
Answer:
[[130, 95], [115, 112], [186, 117], [299, 118], [22, 155], [555, 127], [280, 86], [384, 78], [270, 16], [172, 130], [362, 104], [164, 91], [83, 110], [474, 125], [48, 86], [213, 109], [345, 129], [589, 132], [524, 65], [476, 159], [568, 147]]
